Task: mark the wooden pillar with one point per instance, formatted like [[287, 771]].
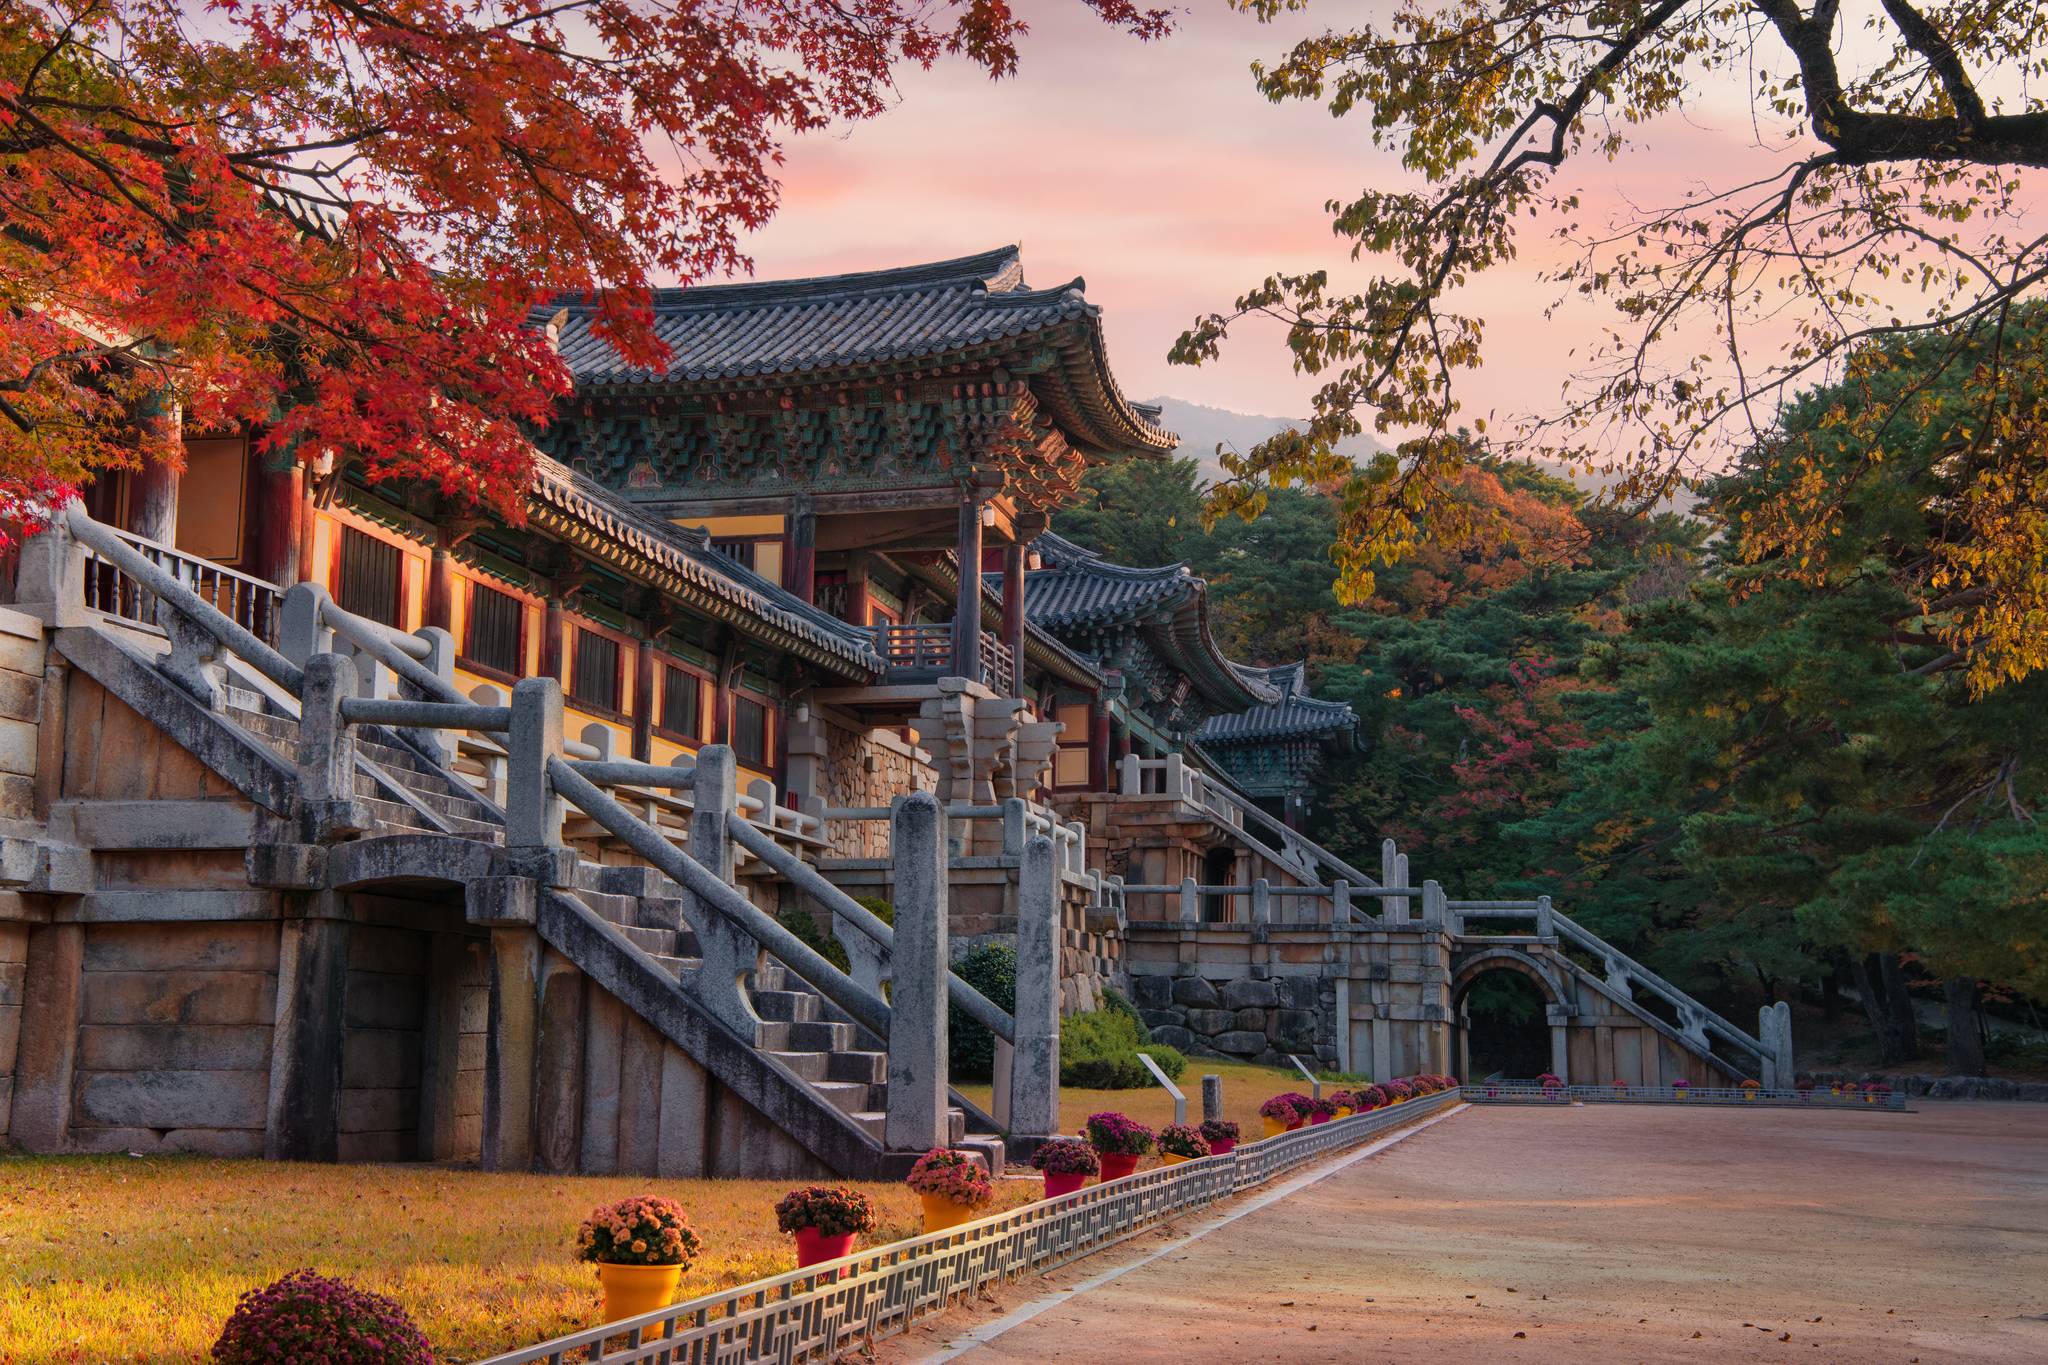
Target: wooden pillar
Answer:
[[1098, 747], [801, 567], [153, 488], [440, 585], [280, 508], [721, 690], [1013, 613], [644, 699], [967, 608], [309, 521], [857, 590]]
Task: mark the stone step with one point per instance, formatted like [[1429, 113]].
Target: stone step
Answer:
[[440, 803], [782, 1036], [850, 1097], [677, 967], [812, 1066], [989, 1145], [395, 818], [868, 1068], [619, 910], [788, 1006], [653, 942], [876, 1124]]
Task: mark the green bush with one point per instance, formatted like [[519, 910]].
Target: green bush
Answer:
[[1099, 1050], [971, 1049], [799, 920]]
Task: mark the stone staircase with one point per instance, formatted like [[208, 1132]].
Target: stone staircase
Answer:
[[840, 1063]]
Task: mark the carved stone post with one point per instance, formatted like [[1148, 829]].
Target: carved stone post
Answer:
[[533, 812], [917, 1029], [1212, 1097], [327, 753], [1035, 1077], [729, 953], [300, 632]]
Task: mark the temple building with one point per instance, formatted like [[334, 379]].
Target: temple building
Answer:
[[340, 822]]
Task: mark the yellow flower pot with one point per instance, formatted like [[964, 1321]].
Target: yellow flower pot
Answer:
[[1274, 1127], [1344, 1111], [630, 1290], [1172, 1158], [941, 1213]]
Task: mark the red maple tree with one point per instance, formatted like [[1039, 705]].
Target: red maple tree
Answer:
[[328, 220]]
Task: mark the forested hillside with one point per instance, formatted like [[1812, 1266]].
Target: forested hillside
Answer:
[[1767, 778]]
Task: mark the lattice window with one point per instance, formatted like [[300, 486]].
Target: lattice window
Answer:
[[369, 577], [682, 703], [494, 635], [595, 680], [750, 731]]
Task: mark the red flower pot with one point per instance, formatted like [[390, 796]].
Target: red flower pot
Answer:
[[1296, 1124], [1063, 1182], [811, 1248], [1320, 1118], [1221, 1145], [1117, 1165]]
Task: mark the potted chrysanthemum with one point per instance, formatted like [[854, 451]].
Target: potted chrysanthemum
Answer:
[[641, 1247], [1321, 1111], [309, 1319], [1750, 1087], [825, 1219], [1220, 1134], [1119, 1140], [1344, 1102], [1180, 1142], [1066, 1164], [953, 1185], [1680, 1086], [1280, 1115], [1550, 1082]]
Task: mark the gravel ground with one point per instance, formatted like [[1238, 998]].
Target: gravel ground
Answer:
[[1622, 1233]]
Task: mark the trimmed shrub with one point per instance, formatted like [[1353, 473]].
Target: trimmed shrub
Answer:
[[1099, 1050], [310, 1319], [970, 1048]]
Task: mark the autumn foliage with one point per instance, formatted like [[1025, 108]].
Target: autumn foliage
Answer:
[[330, 220]]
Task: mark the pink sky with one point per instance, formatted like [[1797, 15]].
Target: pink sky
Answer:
[[1159, 174]]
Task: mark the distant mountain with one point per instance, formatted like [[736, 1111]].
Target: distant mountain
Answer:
[[1200, 428]]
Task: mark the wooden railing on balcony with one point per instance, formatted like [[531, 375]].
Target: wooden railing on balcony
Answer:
[[926, 651], [250, 602]]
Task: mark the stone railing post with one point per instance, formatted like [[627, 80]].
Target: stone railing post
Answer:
[[1546, 924], [1340, 903], [327, 753], [1212, 1097], [1016, 830], [1435, 907], [533, 812], [300, 631], [1774, 1031], [1190, 902], [50, 581], [917, 1117], [1035, 1072], [440, 661], [729, 952], [1132, 777], [1262, 901]]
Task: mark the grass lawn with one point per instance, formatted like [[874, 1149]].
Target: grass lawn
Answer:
[[106, 1259], [1245, 1088]]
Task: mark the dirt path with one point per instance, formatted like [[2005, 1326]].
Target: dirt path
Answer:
[[1592, 1234]]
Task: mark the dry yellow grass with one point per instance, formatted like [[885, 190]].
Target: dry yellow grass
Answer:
[[1245, 1088], [120, 1259]]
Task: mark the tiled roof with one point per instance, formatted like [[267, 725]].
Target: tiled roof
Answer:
[[804, 328], [686, 552], [1078, 591], [1295, 714]]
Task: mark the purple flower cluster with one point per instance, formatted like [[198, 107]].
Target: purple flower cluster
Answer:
[[953, 1175], [1119, 1134], [640, 1231], [834, 1210], [1183, 1139], [1219, 1130], [310, 1319], [1285, 1108], [1066, 1156]]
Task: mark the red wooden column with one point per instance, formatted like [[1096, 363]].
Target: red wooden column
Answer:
[[280, 508], [967, 608], [153, 489], [1013, 613], [554, 625], [802, 567], [440, 583], [1098, 746], [643, 699]]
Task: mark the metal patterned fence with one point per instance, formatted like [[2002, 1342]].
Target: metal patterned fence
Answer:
[[820, 1311], [1498, 1092]]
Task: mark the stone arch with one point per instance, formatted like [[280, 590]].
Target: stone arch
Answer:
[[1471, 968]]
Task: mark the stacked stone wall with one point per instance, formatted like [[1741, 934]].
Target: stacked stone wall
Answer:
[[13, 985], [1246, 1018], [867, 768]]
